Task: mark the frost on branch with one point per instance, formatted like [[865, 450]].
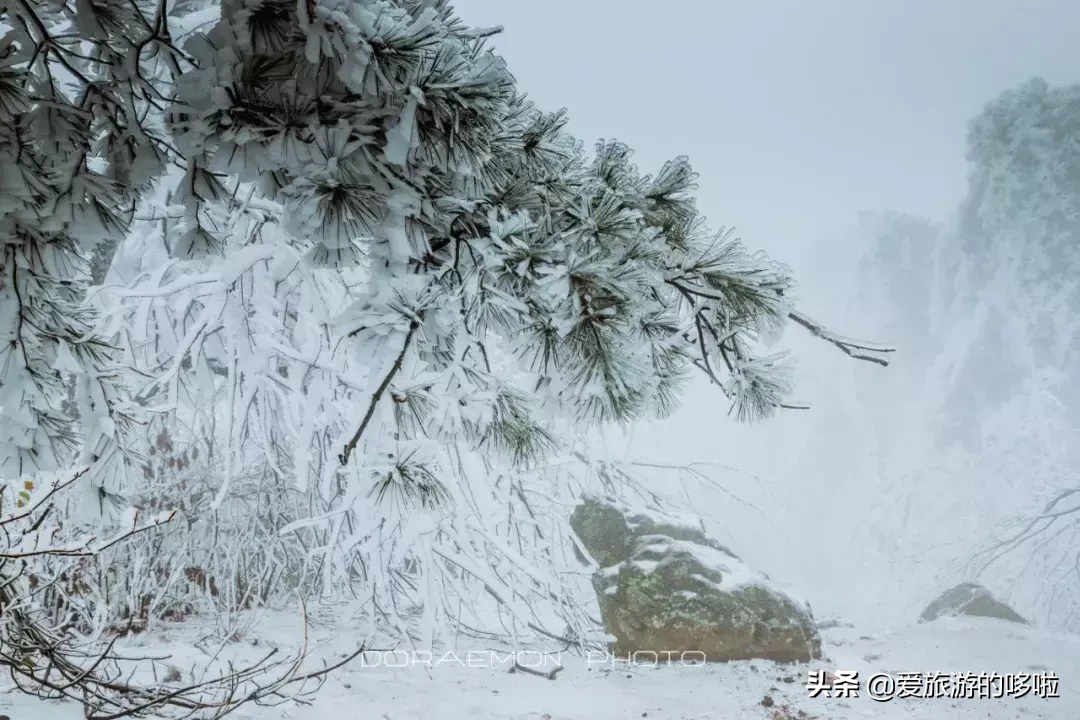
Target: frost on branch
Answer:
[[395, 286], [396, 139], [79, 145], [60, 655]]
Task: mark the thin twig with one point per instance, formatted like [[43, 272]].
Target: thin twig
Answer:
[[377, 395]]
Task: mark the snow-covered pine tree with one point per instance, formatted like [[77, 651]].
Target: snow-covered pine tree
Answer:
[[389, 264], [79, 143], [494, 277], [397, 140], [81, 88]]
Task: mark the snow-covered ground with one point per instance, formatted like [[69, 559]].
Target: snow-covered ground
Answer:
[[591, 689]]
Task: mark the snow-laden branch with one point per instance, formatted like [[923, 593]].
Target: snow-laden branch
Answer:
[[857, 349]]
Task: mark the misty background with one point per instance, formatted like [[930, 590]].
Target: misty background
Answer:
[[834, 135]]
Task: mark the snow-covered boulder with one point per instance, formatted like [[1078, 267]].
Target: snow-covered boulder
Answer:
[[970, 598], [664, 586]]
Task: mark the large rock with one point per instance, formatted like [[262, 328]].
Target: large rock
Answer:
[[970, 598], [664, 586]]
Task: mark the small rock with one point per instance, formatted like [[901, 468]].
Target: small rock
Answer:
[[970, 598], [788, 679], [347, 686], [767, 701]]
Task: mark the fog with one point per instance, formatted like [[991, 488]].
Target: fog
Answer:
[[799, 116], [316, 337], [795, 114]]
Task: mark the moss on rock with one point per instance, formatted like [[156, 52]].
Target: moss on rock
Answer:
[[664, 587]]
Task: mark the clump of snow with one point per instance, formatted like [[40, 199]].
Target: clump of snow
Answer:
[[734, 573], [646, 566], [632, 510]]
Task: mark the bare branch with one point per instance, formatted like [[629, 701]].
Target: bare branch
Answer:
[[377, 395], [857, 349]]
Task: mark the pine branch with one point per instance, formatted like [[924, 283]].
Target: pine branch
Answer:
[[377, 395], [856, 349]]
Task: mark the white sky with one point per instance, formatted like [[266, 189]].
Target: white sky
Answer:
[[796, 113]]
